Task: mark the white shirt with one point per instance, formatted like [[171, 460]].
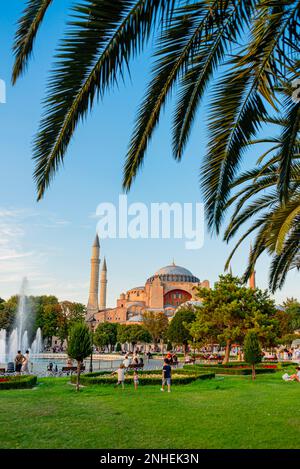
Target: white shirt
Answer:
[[121, 374]]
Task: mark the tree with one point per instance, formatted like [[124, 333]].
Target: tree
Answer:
[[8, 311], [288, 321], [196, 40], [71, 313], [118, 347], [252, 350], [178, 331], [132, 333], [50, 320], [79, 346], [231, 309], [106, 335], [156, 324], [169, 346], [45, 309]]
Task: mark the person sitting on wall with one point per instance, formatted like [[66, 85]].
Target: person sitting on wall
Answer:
[[50, 367], [69, 362]]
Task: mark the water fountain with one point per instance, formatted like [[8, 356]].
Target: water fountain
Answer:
[[37, 344], [2, 345], [19, 337]]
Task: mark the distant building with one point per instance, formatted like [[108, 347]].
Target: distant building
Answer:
[[164, 291]]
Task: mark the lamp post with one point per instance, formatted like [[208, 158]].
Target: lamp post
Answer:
[[92, 321]]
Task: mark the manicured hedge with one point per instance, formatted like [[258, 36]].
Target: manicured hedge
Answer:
[[97, 373], [230, 370], [17, 382], [145, 379]]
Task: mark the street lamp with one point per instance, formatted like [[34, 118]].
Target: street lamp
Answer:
[[92, 322]]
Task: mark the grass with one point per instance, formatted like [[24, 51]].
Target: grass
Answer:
[[232, 412]]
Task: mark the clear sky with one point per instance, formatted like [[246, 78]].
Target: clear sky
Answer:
[[50, 241]]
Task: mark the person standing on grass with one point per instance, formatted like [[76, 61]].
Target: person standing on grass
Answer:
[[19, 361], [121, 376], [126, 361], [166, 375], [135, 379], [25, 368]]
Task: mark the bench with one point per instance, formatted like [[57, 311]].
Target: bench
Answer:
[[134, 365], [71, 369], [189, 360]]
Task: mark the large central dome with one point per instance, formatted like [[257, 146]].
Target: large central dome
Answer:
[[174, 273], [173, 270]]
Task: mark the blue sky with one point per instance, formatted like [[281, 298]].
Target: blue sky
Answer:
[[50, 241]]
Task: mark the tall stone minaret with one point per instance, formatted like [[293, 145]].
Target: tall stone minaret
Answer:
[[252, 281], [92, 306], [103, 285]]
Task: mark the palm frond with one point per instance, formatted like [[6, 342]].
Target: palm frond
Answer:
[[183, 42], [196, 79], [104, 35], [28, 27], [289, 147], [238, 108]]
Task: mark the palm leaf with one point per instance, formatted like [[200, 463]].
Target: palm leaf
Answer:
[[238, 109], [182, 42], [29, 25], [104, 36]]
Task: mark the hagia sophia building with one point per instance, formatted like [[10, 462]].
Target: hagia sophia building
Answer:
[[164, 291]]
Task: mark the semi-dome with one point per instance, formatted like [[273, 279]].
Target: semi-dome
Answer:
[[174, 273]]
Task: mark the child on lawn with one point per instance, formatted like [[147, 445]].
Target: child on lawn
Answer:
[[135, 379], [121, 375]]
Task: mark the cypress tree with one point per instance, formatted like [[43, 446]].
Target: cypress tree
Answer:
[[252, 350]]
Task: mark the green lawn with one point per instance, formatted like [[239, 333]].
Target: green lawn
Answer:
[[229, 412]]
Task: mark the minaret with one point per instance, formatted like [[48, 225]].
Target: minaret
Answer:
[[103, 284], [252, 283], [92, 306]]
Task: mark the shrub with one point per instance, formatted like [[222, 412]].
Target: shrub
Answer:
[[151, 378], [224, 370], [17, 382]]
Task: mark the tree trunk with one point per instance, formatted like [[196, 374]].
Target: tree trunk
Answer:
[[78, 375], [227, 352], [253, 371], [162, 348]]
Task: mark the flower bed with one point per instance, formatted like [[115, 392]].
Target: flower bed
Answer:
[[17, 382], [151, 377]]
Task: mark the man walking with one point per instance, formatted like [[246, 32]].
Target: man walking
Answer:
[[166, 375]]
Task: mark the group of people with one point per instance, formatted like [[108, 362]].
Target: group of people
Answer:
[[135, 360], [172, 359], [22, 362], [166, 375]]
